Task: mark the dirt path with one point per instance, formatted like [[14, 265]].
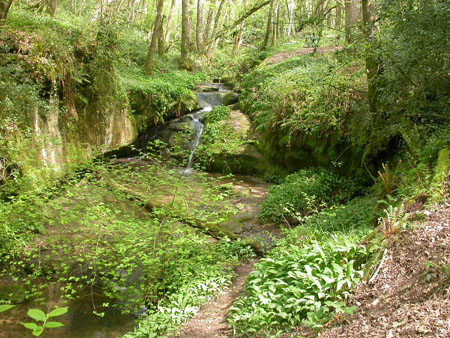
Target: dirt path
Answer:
[[210, 321]]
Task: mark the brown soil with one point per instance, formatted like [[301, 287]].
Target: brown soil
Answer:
[[408, 298], [210, 321], [276, 58]]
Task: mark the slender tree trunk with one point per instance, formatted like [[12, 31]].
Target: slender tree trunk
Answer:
[[51, 7], [185, 34], [337, 22], [238, 37], [150, 65], [275, 26], [372, 65], [4, 8], [199, 32], [209, 22], [212, 42], [268, 26], [169, 22], [352, 15], [329, 19], [291, 10], [161, 43]]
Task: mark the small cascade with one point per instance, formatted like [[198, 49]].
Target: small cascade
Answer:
[[198, 127], [209, 99], [211, 95]]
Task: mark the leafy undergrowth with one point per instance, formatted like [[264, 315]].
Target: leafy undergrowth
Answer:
[[305, 192], [303, 95], [307, 277]]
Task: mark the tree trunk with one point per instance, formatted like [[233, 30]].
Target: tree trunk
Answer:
[[275, 24], [161, 43], [212, 42], [51, 7], [208, 25], [372, 65], [238, 37], [185, 34], [352, 15], [150, 65], [329, 19], [169, 22], [337, 22], [199, 32], [4, 8], [291, 10], [268, 26]]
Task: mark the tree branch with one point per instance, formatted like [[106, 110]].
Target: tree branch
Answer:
[[242, 18]]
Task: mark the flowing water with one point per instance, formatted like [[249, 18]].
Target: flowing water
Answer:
[[198, 127]]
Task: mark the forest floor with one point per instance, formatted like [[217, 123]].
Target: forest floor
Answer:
[[410, 296], [210, 321]]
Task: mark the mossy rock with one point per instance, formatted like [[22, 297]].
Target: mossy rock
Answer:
[[232, 226], [230, 98]]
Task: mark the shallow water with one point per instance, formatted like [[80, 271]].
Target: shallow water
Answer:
[[79, 322]]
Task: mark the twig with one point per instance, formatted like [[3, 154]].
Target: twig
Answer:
[[379, 267]]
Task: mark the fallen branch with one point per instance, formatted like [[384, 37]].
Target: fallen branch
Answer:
[[379, 267], [209, 228]]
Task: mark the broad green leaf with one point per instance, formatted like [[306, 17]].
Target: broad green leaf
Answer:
[[38, 331], [37, 314], [350, 268], [30, 326], [58, 312], [6, 307], [53, 324], [350, 309]]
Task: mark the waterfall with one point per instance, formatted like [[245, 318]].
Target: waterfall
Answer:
[[198, 127]]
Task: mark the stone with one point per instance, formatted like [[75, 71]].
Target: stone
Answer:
[[232, 226], [230, 98]]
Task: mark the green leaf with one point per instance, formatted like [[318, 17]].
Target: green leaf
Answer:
[[350, 309], [58, 312], [37, 314], [53, 324], [30, 326], [38, 331], [6, 307]]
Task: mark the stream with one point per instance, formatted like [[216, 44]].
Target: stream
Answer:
[[80, 322]]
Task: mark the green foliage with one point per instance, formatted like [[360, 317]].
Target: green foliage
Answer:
[[218, 113], [185, 302], [441, 173], [305, 192], [300, 96], [296, 285], [221, 142], [354, 216], [164, 95], [41, 316], [6, 307]]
